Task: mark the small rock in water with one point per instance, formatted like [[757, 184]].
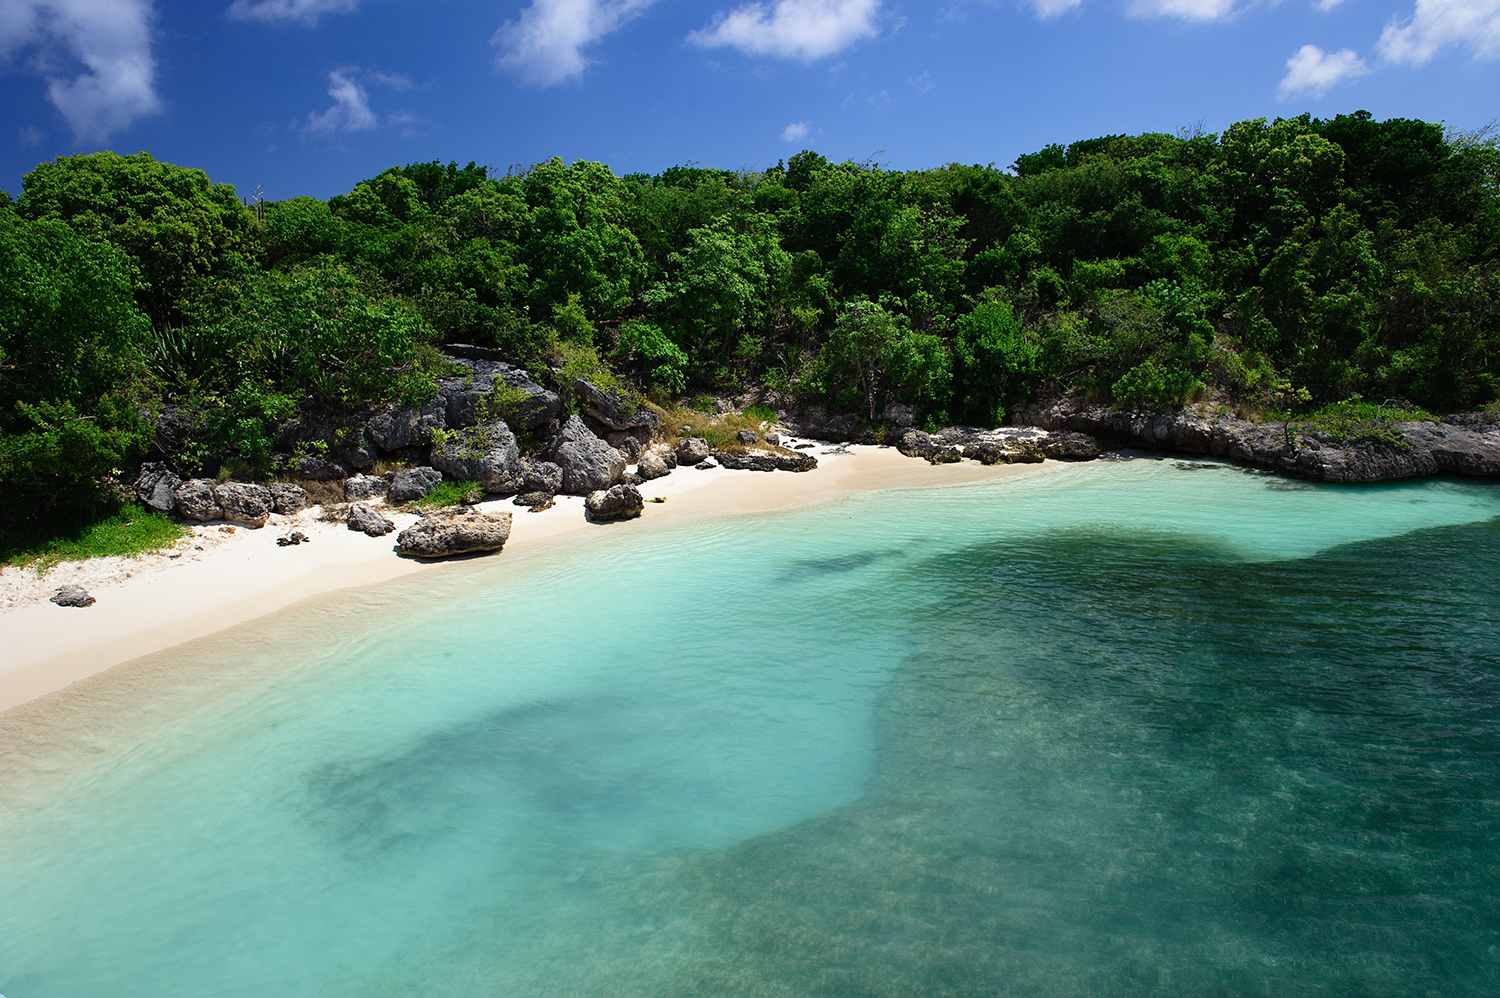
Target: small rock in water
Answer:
[[72, 596]]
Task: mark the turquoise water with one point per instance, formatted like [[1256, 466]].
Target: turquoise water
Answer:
[[1127, 728]]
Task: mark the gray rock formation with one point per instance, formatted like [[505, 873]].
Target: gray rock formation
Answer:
[[1066, 445], [534, 499], [747, 437], [652, 466], [1457, 446], [692, 451], [540, 476], [623, 502], [75, 596], [458, 531], [250, 505], [491, 389], [361, 487], [369, 521], [765, 461], [588, 464], [402, 427], [915, 443], [287, 498], [486, 453], [156, 487], [411, 484], [195, 501], [945, 455]]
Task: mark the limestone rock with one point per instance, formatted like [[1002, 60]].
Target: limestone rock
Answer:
[[692, 451], [588, 463], [486, 453], [156, 487], [361, 487], [369, 521], [623, 502], [75, 596], [250, 505], [287, 498], [652, 466], [195, 501], [459, 531], [411, 484]]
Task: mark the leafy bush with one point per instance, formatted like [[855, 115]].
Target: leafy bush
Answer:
[[1152, 386], [662, 363]]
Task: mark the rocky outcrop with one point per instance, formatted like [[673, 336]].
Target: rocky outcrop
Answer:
[[1457, 446], [249, 505], [1005, 451], [287, 498], [361, 487], [818, 423], [486, 453], [411, 484], [369, 521], [319, 469], [915, 443], [454, 532], [653, 465], [490, 389], [1066, 445], [747, 437], [398, 428], [692, 451], [623, 502], [541, 476], [945, 454], [156, 487], [588, 463], [74, 596], [531, 500], [765, 461], [194, 501]]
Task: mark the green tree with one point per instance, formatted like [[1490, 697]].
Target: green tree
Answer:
[[995, 362]]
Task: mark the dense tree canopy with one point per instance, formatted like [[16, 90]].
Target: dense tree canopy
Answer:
[[1278, 265]]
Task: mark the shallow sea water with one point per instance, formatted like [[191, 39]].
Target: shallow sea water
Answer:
[[1147, 727]]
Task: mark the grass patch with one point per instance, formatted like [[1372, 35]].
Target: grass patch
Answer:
[[721, 431], [1493, 409], [134, 530], [449, 494], [1357, 421]]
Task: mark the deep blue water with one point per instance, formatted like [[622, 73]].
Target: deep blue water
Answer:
[[1140, 728]]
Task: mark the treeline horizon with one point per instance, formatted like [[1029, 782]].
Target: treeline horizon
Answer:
[[1277, 266]]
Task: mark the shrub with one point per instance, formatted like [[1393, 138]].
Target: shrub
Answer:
[[1153, 386]]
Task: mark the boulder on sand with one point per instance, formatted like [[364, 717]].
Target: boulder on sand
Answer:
[[72, 596], [540, 476], [692, 451], [195, 501], [411, 484], [369, 521], [249, 505], [588, 463], [452, 532], [623, 502], [156, 487], [652, 466], [287, 498], [364, 487]]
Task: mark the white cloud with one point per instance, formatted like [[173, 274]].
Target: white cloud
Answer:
[[1328, 6], [351, 110], [1048, 9], [299, 11], [545, 44], [793, 29], [109, 39], [1312, 72], [1436, 24], [797, 131], [1183, 10]]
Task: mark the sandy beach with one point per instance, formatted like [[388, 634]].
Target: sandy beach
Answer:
[[216, 579]]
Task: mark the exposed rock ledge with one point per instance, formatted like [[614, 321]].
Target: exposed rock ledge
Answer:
[[1468, 446]]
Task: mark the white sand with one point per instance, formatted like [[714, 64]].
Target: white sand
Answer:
[[216, 579]]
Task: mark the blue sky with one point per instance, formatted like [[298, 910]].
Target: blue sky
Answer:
[[310, 96]]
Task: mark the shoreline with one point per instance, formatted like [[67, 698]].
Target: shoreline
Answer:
[[222, 580]]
